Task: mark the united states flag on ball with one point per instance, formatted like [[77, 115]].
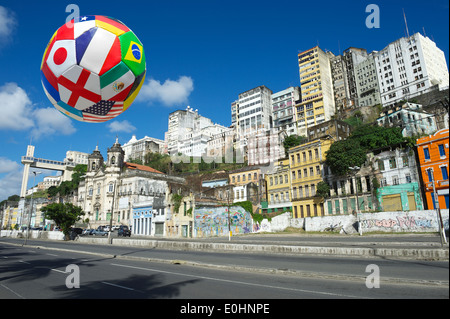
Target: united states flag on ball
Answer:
[[93, 68]]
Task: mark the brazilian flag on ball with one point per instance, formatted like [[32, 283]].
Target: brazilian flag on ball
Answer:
[[93, 68]]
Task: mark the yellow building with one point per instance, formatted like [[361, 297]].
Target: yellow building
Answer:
[[317, 101], [278, 187], [248, 185], [306, 171]]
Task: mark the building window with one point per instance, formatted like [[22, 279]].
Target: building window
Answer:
[[408, 178], [381, 165], [430, 175], [441, 150], [392, 163], [395, 180], [426, 153], [444, 172]]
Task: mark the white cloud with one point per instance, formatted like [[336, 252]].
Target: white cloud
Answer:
[[124, 126], [18, 114], [169, 93], [50, 121], [6, 165], [15, 108], [10, 182], [7, 22]]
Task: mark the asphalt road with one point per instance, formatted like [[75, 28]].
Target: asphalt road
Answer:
[[110, 272]]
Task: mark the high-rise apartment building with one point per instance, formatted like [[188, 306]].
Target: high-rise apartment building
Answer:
[[408, 67], [254, 109], [367, 85], [190, 132], [317, 101], [340, 82], [181, 124], [283, 110], [352, 58]]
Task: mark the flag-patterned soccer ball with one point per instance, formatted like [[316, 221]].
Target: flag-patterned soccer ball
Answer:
[[93, 68]]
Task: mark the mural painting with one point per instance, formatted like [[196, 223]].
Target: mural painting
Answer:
[[214, 221]]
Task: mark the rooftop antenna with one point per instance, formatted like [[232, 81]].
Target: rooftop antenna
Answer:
[[424, 33], [406, 23]]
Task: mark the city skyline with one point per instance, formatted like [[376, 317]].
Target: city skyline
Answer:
[[199, 54]]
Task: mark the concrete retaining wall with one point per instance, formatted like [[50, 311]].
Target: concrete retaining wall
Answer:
[[408, 221], [35, 234]]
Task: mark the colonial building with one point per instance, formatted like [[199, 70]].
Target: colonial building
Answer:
[[129, 194], [387, 181], [410, 118], [278, 187], [307, 166], [434, 160]]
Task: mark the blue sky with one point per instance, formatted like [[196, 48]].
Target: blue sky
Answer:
[[199, 53]]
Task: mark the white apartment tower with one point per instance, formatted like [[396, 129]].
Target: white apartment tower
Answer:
[[255, 111], [367, 84], [284, 112], [408, 67], [189, 132]]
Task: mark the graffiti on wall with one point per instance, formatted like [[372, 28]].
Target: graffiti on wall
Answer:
[[402, 222], [214, 221]]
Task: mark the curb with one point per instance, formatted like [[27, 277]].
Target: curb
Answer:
[[414, 253]]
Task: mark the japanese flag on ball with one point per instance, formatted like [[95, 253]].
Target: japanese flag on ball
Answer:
[[93, 69]]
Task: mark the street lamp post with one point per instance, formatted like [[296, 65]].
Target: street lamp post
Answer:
[[112, 213], [355, 169], [438, 210], [31, 208]]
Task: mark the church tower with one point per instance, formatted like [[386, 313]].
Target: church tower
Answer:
[[95, 161], [116, 157]]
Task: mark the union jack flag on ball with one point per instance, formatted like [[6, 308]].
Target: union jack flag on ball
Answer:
[[93, 68]]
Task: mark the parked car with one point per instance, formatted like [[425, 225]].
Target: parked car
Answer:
[[124, 231], [99, 232], [87, 232]]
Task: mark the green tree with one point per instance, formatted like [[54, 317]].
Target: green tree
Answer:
[[344, 154], [65, 215], [365, 138], [323, 189]]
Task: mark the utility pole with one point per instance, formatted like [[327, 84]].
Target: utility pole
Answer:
[[355, 170], [31, 208], [112, 214], [438, 209]]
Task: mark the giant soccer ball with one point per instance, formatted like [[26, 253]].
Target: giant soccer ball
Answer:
[[93, 69]]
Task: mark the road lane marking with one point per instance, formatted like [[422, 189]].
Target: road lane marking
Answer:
[[9, 289], [52, 255], [118, 286], [60, 271], [240, 282], [24, 262]]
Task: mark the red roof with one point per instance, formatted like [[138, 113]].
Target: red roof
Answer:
[[141, 167]]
